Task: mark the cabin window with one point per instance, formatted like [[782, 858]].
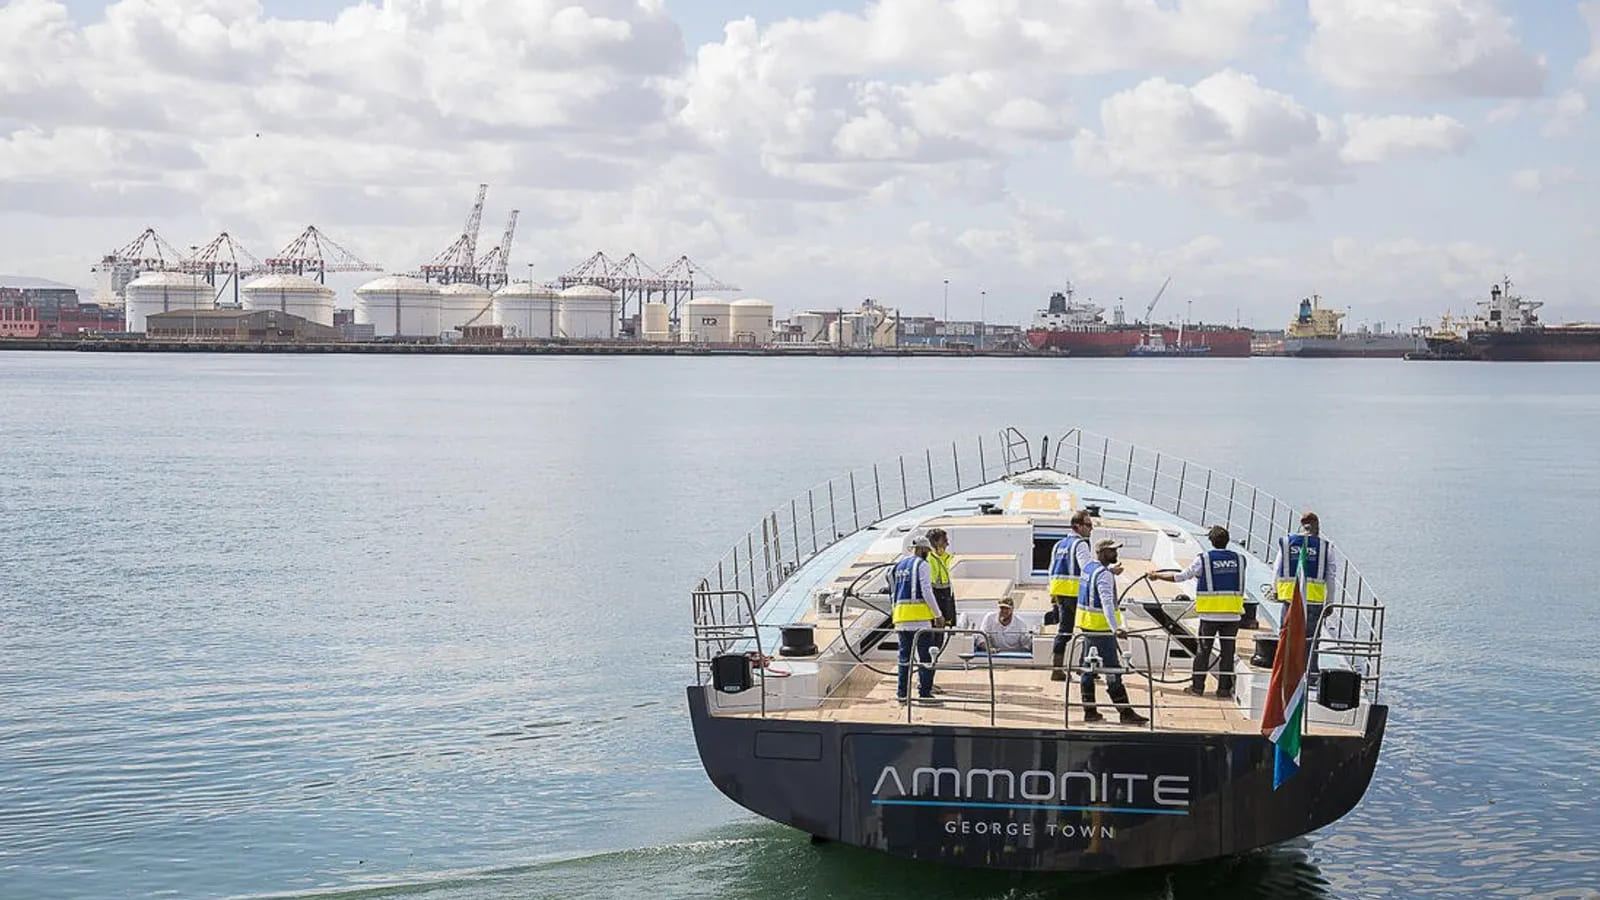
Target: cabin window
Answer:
[[1042, 546]]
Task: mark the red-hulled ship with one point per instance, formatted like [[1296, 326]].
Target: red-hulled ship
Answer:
[[1081, 329]]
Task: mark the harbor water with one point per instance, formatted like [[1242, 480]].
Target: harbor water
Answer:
[[418, 626]]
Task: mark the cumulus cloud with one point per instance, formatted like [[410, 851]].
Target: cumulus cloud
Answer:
[[1564, 113], [1372, 139], [214, 106], [1424, 48], [1589, 66], [932, 81], [1247, 148], [1537, 181]]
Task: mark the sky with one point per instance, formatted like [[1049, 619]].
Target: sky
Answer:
[[1394, 156]]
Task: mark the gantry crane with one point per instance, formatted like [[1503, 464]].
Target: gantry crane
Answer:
[[314, 251], [458, 262]]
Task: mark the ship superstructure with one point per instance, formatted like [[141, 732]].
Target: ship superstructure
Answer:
[[1318, 331]]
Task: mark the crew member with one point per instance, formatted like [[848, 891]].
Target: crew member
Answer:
[[1003, 632], [913, 618], [1101, 625], [1321, 568], [939, 574], [1067, 560], [1219, 599]]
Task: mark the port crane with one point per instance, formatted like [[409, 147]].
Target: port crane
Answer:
[[492, 266], [223, 257], [1153, 344], [314, 251], [458, 262], [1153, 301]]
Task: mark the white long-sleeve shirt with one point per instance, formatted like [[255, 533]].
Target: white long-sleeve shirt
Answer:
[[1103, 596], [1013, 636], [1330, 564], [1193, 572]]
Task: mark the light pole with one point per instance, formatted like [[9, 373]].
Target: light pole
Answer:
[[946, 328]]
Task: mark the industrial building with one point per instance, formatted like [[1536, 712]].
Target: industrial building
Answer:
[[18, 322], [54, 307], [928, 331], [869, 326], [243, 325]]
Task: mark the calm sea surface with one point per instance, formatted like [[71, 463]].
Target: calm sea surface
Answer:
[[418, 626]]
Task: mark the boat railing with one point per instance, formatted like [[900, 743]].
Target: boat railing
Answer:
[[1077, 666], [1353, 617], [944, 636], [811, 525]]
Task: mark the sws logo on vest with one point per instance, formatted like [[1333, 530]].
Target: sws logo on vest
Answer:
[[993, 793]]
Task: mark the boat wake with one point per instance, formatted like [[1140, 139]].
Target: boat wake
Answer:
[[771, 862]]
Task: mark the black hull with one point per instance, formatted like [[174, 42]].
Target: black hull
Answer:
[[1031, 800], [1543, 345]]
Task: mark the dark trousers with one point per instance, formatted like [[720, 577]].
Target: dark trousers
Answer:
[[1227, 632], [923, 639], [1106, 646], [1067, 608], [945, 600]]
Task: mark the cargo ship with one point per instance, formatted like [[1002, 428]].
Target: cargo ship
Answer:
[[1079, 327], [1507, 328], [1317, 331]]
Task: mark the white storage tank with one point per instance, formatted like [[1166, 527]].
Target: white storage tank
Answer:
[[750, 321], [463, 303], [526, 310], [657, 322], [587, 312], [706, 320], [399, 306], [293, 294], [856, 329], [158, 292], [813, 326]]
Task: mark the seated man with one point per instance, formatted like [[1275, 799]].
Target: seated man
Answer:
[[1003, 632]]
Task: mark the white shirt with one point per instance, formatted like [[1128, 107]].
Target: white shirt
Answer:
[[1081, 553], [1330, 564], [1193, 572], [1003, 637]]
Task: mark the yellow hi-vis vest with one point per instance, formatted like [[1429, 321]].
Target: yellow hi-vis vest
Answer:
[[909, 604], [939, 568], [1220, 587], [1064, 571], [1090, 616], [1291, 548]]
